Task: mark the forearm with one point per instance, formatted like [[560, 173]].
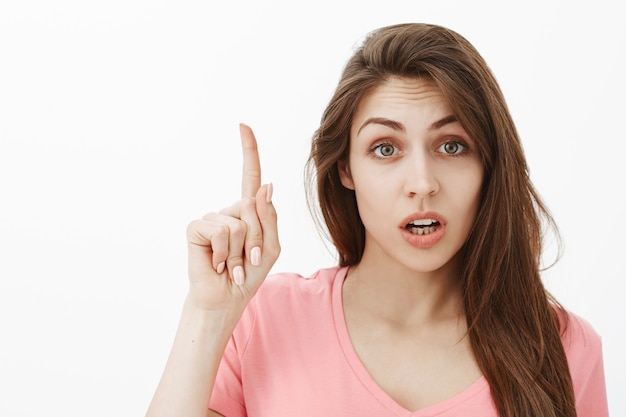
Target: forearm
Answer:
[[230, 254], [191, 368]]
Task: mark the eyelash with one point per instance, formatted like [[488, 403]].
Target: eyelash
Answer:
[[464, 149], [374, 150]]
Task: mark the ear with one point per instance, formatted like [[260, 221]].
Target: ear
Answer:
[[345, 175]]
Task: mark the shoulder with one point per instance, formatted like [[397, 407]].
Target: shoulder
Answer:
[[288, 307], [292, 284], [580, 338], [289, 294], [583, 348]]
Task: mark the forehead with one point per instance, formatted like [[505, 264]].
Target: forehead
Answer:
[[400, 91], [401, 97]]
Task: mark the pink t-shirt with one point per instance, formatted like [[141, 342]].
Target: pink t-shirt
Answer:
[[291, 356]]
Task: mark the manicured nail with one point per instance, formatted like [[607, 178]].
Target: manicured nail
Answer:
[[220, 267], [238, 275], [269, 192], [255, 256]]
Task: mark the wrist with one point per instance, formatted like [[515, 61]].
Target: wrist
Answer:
[[223, 318]]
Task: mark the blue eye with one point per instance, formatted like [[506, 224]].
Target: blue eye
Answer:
[[385, 150], [452, 148]]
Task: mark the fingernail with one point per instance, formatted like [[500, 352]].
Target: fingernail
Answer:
[[220, 267], [269, 192], [255, 256], [238, 275]]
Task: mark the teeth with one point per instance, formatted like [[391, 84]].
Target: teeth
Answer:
[[422, 230], [422, 222]]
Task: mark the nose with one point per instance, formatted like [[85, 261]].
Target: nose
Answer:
[[421, 179]]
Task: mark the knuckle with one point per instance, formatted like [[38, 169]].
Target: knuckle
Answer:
[[273, 251], [225, 211], [221, 231], [209, 216], [255, 235], [253, 173], [247, 208], [220, 252], [248, 203], [192, 225], [235, 260], [193, 228], [238, 229]]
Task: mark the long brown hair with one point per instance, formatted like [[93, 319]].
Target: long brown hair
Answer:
[[512, 320]]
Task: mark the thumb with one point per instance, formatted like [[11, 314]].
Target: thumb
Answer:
[[269, 223]]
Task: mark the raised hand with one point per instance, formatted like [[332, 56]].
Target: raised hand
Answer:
[[231, 252]]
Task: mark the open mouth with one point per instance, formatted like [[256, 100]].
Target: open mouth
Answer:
[[422, 226]]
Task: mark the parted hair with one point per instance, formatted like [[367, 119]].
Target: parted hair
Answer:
[[514, 324]]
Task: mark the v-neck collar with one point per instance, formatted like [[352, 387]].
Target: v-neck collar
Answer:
[[366, 379]]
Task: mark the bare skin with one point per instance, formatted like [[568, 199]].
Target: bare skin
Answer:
[[409, 160], [414, 347], [230, 254]]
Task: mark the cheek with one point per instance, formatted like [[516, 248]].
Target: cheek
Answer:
[[472, 190], [374, 193], [374, 186], [467, 185]]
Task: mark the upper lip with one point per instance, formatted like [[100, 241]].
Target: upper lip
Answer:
[[423, 216]]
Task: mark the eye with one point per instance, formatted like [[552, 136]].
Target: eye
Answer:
[[452, 148], [384, 150]]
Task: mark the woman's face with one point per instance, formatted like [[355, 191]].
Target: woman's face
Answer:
[[416, 175]]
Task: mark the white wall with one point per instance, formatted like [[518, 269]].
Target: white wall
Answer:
[[118, 125]]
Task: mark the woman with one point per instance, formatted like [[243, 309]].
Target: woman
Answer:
[[436, 306]]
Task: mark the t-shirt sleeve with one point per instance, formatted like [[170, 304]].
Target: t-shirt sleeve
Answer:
[[583, 346], [227, 398]]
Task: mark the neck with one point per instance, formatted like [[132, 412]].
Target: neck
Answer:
[[401, 296]]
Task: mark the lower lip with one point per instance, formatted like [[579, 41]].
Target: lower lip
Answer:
[[423, 241]]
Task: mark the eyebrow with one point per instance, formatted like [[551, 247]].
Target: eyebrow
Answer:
[[392, 124]]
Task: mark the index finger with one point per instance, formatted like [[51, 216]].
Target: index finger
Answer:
[[251, 175]]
